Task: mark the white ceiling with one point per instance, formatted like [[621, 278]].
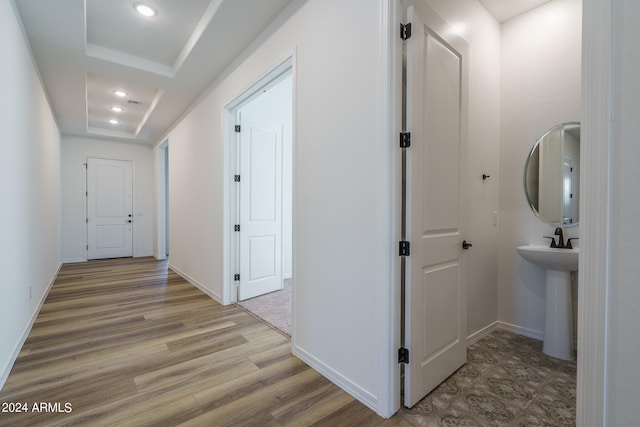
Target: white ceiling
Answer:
[[503, 10], [85, 49], [163, 63]]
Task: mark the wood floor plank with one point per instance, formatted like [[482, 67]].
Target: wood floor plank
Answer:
[[244, 404]]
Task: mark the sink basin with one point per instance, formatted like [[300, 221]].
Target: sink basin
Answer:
[[558, 311], [550, 258]]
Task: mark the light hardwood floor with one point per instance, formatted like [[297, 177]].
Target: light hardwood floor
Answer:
[[129, 342]]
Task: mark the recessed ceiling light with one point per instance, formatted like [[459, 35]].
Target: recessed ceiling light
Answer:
[[145, 10], [120, 93], [117, 109], [114, 121]]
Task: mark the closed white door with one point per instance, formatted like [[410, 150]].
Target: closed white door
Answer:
[[436, 309], [260, 205], [109, 208]]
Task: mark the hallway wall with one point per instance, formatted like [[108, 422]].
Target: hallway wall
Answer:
[[343, 247], [75, 151], [29, 187]]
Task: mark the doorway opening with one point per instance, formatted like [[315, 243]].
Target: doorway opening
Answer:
[[260, 195]]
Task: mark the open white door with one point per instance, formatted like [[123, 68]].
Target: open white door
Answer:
[[260, 205], [436, 293], [109, 208]]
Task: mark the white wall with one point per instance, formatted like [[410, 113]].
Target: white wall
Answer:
[[343, 248], [482, 33], [541, 69], [29, 187], [623, 294], [74, 229]]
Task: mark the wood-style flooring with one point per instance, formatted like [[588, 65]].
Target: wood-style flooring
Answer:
[[130, 343]]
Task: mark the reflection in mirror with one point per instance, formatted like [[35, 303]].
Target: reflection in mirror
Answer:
[[552, 176]]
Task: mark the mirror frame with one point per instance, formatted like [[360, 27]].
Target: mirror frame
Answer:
[[526, 168]]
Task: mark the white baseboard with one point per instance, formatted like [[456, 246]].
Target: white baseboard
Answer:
[[498, 325], [73, 260], [476, 336], [531, 333], [25, 334], [197, 284], [338, 379]]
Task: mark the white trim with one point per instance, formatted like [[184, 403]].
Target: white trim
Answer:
[[594, 204], [503, 326], [160, 250], [197, 284], [338, 379], [73, 260], [478, 335], [134, 209], [531, 333], [388, 295], [16, 351]]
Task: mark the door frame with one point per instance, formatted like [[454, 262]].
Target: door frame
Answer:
[[595, 145], [231, 255], [162, 200]]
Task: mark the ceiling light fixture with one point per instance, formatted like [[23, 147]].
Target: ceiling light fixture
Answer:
[[145, 10], [120, 93], [114, 121], [117, 109]]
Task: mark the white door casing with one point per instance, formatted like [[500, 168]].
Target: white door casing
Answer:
[[109, 208], [436, 293], [260, 205]]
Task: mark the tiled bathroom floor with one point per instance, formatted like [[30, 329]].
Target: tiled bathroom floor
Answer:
[[507, 381]]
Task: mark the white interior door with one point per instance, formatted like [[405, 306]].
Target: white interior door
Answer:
[[109, 208], [436, 316], [260, 205]]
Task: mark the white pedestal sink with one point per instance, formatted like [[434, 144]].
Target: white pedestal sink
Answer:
[[558, 313]]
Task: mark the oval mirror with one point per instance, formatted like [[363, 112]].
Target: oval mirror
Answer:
[[552, 176]]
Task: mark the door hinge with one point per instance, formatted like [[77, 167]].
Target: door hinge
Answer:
[[405, 31], [87, 220], [403, 355], [236, 178], [87, 247], [405, 139], [236, 227], [236, 277], [237, 128], [405, 248]]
